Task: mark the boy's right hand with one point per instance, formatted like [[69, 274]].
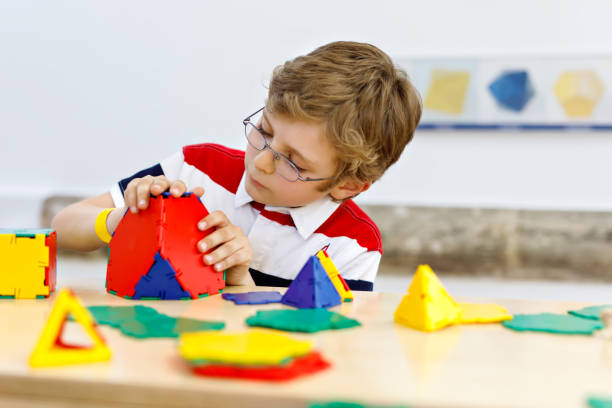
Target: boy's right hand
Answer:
[[139, 190]]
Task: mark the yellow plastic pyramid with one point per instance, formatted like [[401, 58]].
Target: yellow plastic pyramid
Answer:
[[50, 351], [254, 347], [334, 275], [427, 306]]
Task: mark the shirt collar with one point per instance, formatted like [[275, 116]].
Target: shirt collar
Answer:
[[306, 218]]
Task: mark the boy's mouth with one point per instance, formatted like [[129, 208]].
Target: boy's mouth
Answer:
[[256, 184]]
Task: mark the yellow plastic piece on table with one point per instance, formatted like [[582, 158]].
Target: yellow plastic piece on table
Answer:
[[50, 351], [482, 313], [447, 91], [251, 348], [427, 306], [23, 261], [334, 275]]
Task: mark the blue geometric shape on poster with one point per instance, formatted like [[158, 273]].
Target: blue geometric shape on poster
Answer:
[[312, 288], [512, 90], [160, 282]]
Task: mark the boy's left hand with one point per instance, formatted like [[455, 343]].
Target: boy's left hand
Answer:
[[232, 249]]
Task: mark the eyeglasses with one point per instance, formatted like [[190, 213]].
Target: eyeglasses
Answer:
[[282, 164]]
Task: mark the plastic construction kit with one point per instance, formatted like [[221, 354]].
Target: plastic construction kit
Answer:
[[312, 288], [553, 323], [256, 355], [428, 307], [253, 298], [299, 366], [154, 255], [248, 348], [145, 322], [343, 289], [301, 320], [52, 351], [27, 262]]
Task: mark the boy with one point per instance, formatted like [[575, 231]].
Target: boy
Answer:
[[334, 121]]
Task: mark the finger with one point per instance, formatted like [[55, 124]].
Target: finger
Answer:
[[214, 219], [159, 185], [143, 192], [199, 191], [130, 195], [177, 188], [241, 257], [218, 237], [223, 251]]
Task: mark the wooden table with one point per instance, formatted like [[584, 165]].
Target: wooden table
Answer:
[[378, 363]]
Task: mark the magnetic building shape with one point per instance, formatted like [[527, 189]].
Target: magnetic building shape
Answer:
[[339, 283], [512, 89], [27, 262], [312, 287], [52, 351], [155, 249]]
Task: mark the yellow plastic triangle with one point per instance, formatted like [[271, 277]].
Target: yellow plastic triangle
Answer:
[[50, 351], [482, 313], [334, 275], [427, 306], [254, 347]]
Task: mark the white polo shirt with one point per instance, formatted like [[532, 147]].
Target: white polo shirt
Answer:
[[282, 238]]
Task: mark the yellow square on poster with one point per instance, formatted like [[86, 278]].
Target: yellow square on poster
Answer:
[[447, 91]]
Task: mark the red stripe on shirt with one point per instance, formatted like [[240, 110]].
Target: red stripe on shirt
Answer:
[[350, 221], [223, 165]]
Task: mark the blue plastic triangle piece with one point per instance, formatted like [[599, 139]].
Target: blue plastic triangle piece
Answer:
[[312, 288], [160, 282]]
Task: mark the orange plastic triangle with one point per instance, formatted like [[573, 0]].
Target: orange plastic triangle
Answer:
[[52, 351]]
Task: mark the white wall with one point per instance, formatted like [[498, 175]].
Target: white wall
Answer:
[[93, 91]]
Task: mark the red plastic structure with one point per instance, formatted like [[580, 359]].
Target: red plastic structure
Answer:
[[308, 364], [167, 226]]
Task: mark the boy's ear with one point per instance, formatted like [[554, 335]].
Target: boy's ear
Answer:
[[349, 188]]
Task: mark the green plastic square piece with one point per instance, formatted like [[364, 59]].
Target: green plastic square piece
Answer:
[[591, 312], [145, 322], [301, 320], [553, 323], [596, 402]]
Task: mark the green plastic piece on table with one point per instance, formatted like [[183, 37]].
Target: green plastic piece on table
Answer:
[[26, 232], [553, 323], [7, 297], [301, 320], [342, 404], [591, 312], [41, 297], [595, 402], [145, 322]]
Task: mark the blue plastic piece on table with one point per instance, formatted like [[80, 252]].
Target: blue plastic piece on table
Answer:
[[253, 298], [512, 90], [160, 282], [312, 288]]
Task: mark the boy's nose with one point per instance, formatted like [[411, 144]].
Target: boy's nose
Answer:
[[264, 161]]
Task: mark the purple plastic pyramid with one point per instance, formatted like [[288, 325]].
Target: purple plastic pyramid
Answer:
[[312, 288]]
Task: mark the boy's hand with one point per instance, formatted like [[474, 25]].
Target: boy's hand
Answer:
[[138, 191], [232, 249]]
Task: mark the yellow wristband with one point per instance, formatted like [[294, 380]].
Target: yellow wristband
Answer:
[[100, 226]]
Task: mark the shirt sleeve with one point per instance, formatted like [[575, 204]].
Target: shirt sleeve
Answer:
[[169, 167], [360, 272]]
